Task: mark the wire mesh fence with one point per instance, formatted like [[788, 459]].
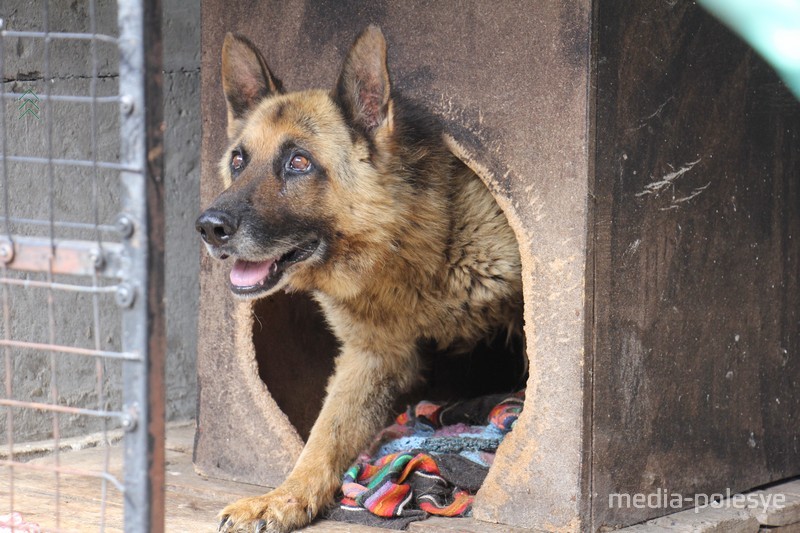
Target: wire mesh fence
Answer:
[[81, 265]]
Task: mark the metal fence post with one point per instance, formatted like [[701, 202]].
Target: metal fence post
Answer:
[[143, 320]]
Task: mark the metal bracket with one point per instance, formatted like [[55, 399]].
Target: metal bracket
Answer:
[[125, 295], [130, 417], [79, 258]]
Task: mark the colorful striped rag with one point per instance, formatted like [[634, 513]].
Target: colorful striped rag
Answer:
[[385, 487], [431, 461]]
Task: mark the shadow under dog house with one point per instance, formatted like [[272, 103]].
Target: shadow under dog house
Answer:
[[649, 163]]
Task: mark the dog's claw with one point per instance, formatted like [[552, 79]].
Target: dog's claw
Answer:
[[260, 527]]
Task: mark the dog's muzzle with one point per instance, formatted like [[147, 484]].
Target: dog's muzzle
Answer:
[[252, 274]]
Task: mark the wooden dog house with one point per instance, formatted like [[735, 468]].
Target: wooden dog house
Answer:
[[649, 162]]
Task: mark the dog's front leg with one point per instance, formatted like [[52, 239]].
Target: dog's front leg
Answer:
[[360, 394]]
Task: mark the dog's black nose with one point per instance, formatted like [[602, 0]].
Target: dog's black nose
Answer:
[[216, 227]]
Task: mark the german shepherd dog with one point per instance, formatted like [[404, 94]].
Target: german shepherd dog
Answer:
[[353, 196]]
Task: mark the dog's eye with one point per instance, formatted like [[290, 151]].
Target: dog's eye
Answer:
[[299, 163], [237, 161]]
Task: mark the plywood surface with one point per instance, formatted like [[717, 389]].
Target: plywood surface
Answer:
[[698, 220], [192, 501]]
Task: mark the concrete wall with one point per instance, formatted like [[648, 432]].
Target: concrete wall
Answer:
[[181, 29], [29, 187]]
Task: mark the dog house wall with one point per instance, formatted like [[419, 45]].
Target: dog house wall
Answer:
[[499, 87], [697, 221], [645, 372]]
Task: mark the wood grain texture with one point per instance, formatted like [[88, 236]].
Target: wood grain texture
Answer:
[[697, 325]]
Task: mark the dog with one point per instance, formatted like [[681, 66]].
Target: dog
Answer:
[[353, 196]]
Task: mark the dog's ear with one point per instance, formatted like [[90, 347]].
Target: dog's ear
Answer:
[[363, 89], [246, 78]]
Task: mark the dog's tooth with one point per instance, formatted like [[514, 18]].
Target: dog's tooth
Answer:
[[274, 268]]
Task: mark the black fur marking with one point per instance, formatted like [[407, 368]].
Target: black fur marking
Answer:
[[354, 136], [280, 111], [242, 103], [342, 99], [357, 128], [357, 133], [309, 125], [448, 246], [239, 104], [284, 227], [418, 132]]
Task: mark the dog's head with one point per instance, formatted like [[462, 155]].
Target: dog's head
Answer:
[[303, 169]]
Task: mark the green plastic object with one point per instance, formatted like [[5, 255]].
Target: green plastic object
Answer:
[[771, 27]]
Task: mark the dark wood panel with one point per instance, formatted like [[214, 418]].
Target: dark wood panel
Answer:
[[697, 328]]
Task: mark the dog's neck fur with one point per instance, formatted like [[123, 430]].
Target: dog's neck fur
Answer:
[[434, 247]]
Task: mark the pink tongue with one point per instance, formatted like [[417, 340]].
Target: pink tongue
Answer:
[[247, 274]]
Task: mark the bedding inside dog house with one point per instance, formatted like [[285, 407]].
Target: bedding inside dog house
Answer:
[[662, 324]]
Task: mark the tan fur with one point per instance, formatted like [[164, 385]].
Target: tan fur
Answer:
[[400, 261]]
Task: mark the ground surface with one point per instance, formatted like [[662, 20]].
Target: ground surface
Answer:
[[192, 501]]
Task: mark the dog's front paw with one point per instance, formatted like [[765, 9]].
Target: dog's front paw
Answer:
[[279, 511]]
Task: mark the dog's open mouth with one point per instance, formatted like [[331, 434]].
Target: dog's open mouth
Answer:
[[253, 277]]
